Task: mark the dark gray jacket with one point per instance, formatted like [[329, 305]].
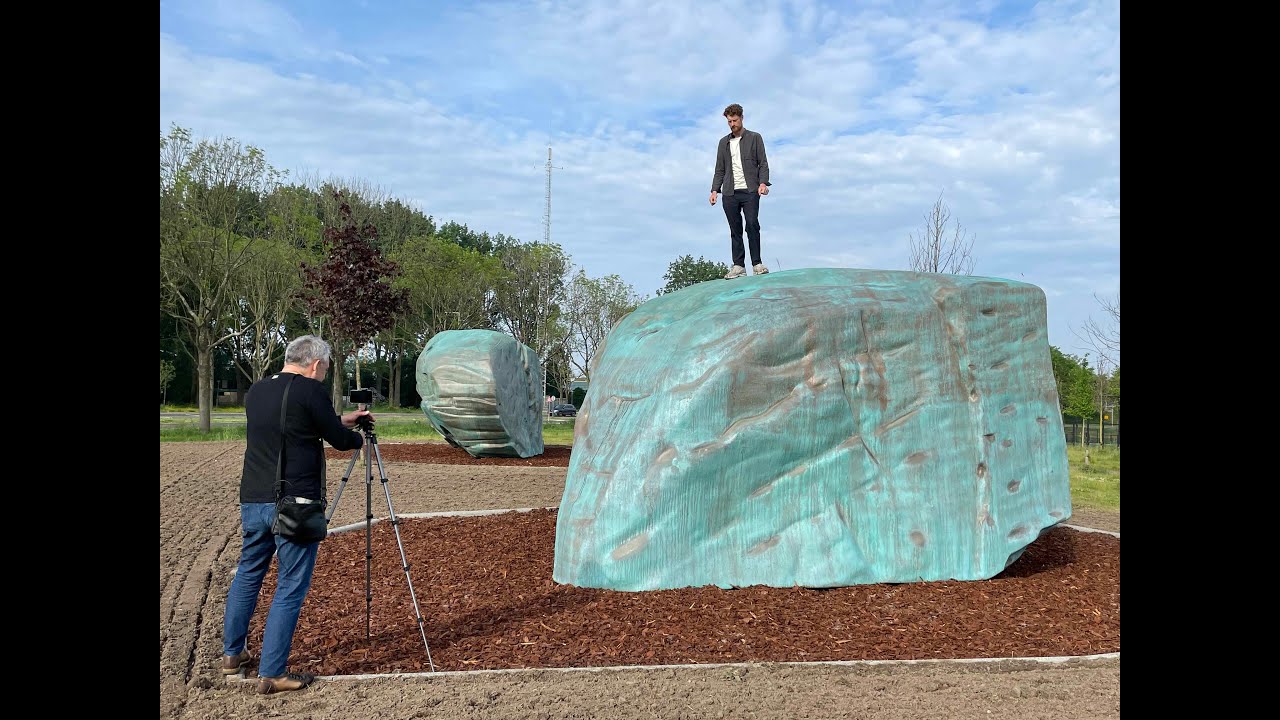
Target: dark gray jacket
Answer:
[[755, 166]]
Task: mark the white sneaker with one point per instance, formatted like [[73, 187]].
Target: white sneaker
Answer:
[[760, 269], [736, 271]]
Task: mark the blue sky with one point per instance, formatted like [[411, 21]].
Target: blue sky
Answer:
[[869, 111]]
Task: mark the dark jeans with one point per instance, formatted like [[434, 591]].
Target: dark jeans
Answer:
[[740, 203]]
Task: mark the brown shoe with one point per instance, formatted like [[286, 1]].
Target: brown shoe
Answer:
[[284, 683], [234, 664]]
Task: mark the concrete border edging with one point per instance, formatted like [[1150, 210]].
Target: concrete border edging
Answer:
[[712, 666]]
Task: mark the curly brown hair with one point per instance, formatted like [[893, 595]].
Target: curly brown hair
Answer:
[[734, 109]]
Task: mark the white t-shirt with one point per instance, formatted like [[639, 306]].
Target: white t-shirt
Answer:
[[739, 178]]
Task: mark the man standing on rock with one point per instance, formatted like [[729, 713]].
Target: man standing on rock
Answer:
[[742, 174]]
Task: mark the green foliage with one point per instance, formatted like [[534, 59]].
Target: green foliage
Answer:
[[293, 219], [397, 223], [577, 397], [1115, 389], [166, 374], [450, 287], [685, 271], [481, 242], [528, 297], [1076, 384]]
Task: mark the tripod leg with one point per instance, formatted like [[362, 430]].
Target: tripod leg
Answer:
[[368, 532], [338, 496], [404, 561]]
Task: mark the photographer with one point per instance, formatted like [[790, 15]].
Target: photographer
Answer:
[[296, 393]]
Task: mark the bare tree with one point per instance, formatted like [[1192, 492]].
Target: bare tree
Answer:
[[594, 307], [934, 252], [559, 369], [1104, 337], [267, 291]]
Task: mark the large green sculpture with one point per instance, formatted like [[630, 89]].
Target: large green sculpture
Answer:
[[817, 427], [482, 391]]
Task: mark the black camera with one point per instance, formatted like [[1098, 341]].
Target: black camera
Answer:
[[362, 396]]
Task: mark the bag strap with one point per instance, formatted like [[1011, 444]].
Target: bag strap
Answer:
[[280, 458]]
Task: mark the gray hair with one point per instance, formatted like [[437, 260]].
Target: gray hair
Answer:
[[306, 350]]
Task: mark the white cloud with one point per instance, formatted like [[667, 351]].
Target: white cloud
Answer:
[[868, 118]]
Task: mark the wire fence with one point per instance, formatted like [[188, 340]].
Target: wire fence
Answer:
[[1108, 435]]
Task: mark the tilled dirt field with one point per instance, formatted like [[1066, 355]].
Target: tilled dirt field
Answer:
[[199, 546]]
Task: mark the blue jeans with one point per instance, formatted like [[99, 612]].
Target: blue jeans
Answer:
[[293, 580]]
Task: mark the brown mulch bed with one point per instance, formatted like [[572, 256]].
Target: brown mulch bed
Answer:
[[446, 454], [485, 590]]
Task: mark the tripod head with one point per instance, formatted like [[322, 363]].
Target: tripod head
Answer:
[[364, 401]]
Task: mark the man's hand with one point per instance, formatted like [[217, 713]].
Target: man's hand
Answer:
[[764, 189], [713, 197], [350, 420]]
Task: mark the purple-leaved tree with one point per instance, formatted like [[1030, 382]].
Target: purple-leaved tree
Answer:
[[353, 289]]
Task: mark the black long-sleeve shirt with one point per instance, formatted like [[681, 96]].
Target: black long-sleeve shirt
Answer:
[[309, 421]]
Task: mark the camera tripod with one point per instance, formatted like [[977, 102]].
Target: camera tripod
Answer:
[[371, 452]]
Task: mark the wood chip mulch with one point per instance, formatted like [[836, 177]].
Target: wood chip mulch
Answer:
[[485, 591], [442, 453]]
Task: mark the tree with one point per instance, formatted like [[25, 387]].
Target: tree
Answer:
[[266, 291], [1115, 387], [934, 252], [1076, 385], [1064, 367], [1104, 337], [353, 289], [450, 287], [594, 307], [167, 372], [1102, 392], [463, 236], [560, 370], [528, 297], [398, 222], [685, 271], [210, 217]]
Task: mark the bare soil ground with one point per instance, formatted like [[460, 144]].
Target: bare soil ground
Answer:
[[199, 546]]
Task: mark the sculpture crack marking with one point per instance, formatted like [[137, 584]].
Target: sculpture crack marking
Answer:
[[901, 419]]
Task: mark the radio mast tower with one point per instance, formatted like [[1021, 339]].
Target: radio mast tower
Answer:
[[546, 239], [546, 218]]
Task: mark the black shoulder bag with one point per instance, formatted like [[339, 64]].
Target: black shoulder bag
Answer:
[[298, 519]]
